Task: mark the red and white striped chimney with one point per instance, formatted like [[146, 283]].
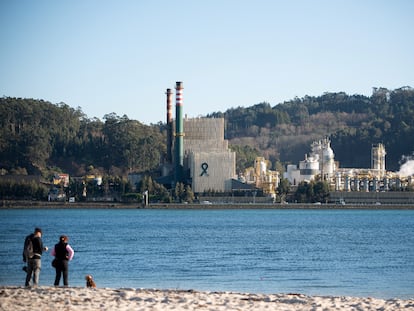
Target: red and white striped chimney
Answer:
[[169, 105], [179, 132]]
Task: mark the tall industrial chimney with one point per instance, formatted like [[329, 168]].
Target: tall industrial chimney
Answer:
[[179, 133], [169, 126]]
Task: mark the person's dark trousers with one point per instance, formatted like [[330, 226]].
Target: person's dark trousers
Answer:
[[62, 268]]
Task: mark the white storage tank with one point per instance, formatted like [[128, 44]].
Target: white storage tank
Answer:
[[328, 161], [309, 168]]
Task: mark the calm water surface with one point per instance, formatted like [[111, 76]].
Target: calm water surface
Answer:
[[317, 252]]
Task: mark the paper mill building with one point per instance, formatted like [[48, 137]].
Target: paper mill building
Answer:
[[209, 162], [197, 153]]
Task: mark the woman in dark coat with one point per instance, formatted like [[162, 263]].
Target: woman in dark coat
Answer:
[[63, 253]]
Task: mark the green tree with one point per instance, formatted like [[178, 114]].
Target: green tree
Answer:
[[283, 189], [179, 192], [321, 191], [245, 156], [311, 192], [188, 194], [304, 192], [157, 192]]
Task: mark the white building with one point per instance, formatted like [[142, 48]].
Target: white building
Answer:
[[320, 162]]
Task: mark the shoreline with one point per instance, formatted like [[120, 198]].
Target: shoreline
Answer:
[[25, 204], [81, 298]]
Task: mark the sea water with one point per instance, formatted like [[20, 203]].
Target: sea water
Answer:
[[315, 252]]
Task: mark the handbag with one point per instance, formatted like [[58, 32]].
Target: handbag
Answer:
[[54, 263]]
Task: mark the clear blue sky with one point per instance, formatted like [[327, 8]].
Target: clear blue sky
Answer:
[[121, 56]]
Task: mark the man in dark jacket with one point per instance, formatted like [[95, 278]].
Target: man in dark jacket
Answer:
[[34, 263]]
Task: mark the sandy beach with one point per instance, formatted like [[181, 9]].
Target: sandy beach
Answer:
[[77, 298]]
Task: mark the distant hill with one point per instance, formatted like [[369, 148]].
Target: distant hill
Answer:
[[38, 137]]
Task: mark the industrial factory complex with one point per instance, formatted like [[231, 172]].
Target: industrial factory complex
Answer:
[[198, 155], [321, 162]]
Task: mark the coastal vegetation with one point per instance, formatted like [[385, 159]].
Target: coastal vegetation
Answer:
[[40, 138]]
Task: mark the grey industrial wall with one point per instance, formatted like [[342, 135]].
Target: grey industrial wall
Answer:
[[204, 143], [212, 170], [204, 128]]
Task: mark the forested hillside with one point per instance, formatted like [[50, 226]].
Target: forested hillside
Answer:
[[38, 137]]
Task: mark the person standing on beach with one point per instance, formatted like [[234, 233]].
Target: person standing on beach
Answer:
[[34, 258], [63, 253]]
